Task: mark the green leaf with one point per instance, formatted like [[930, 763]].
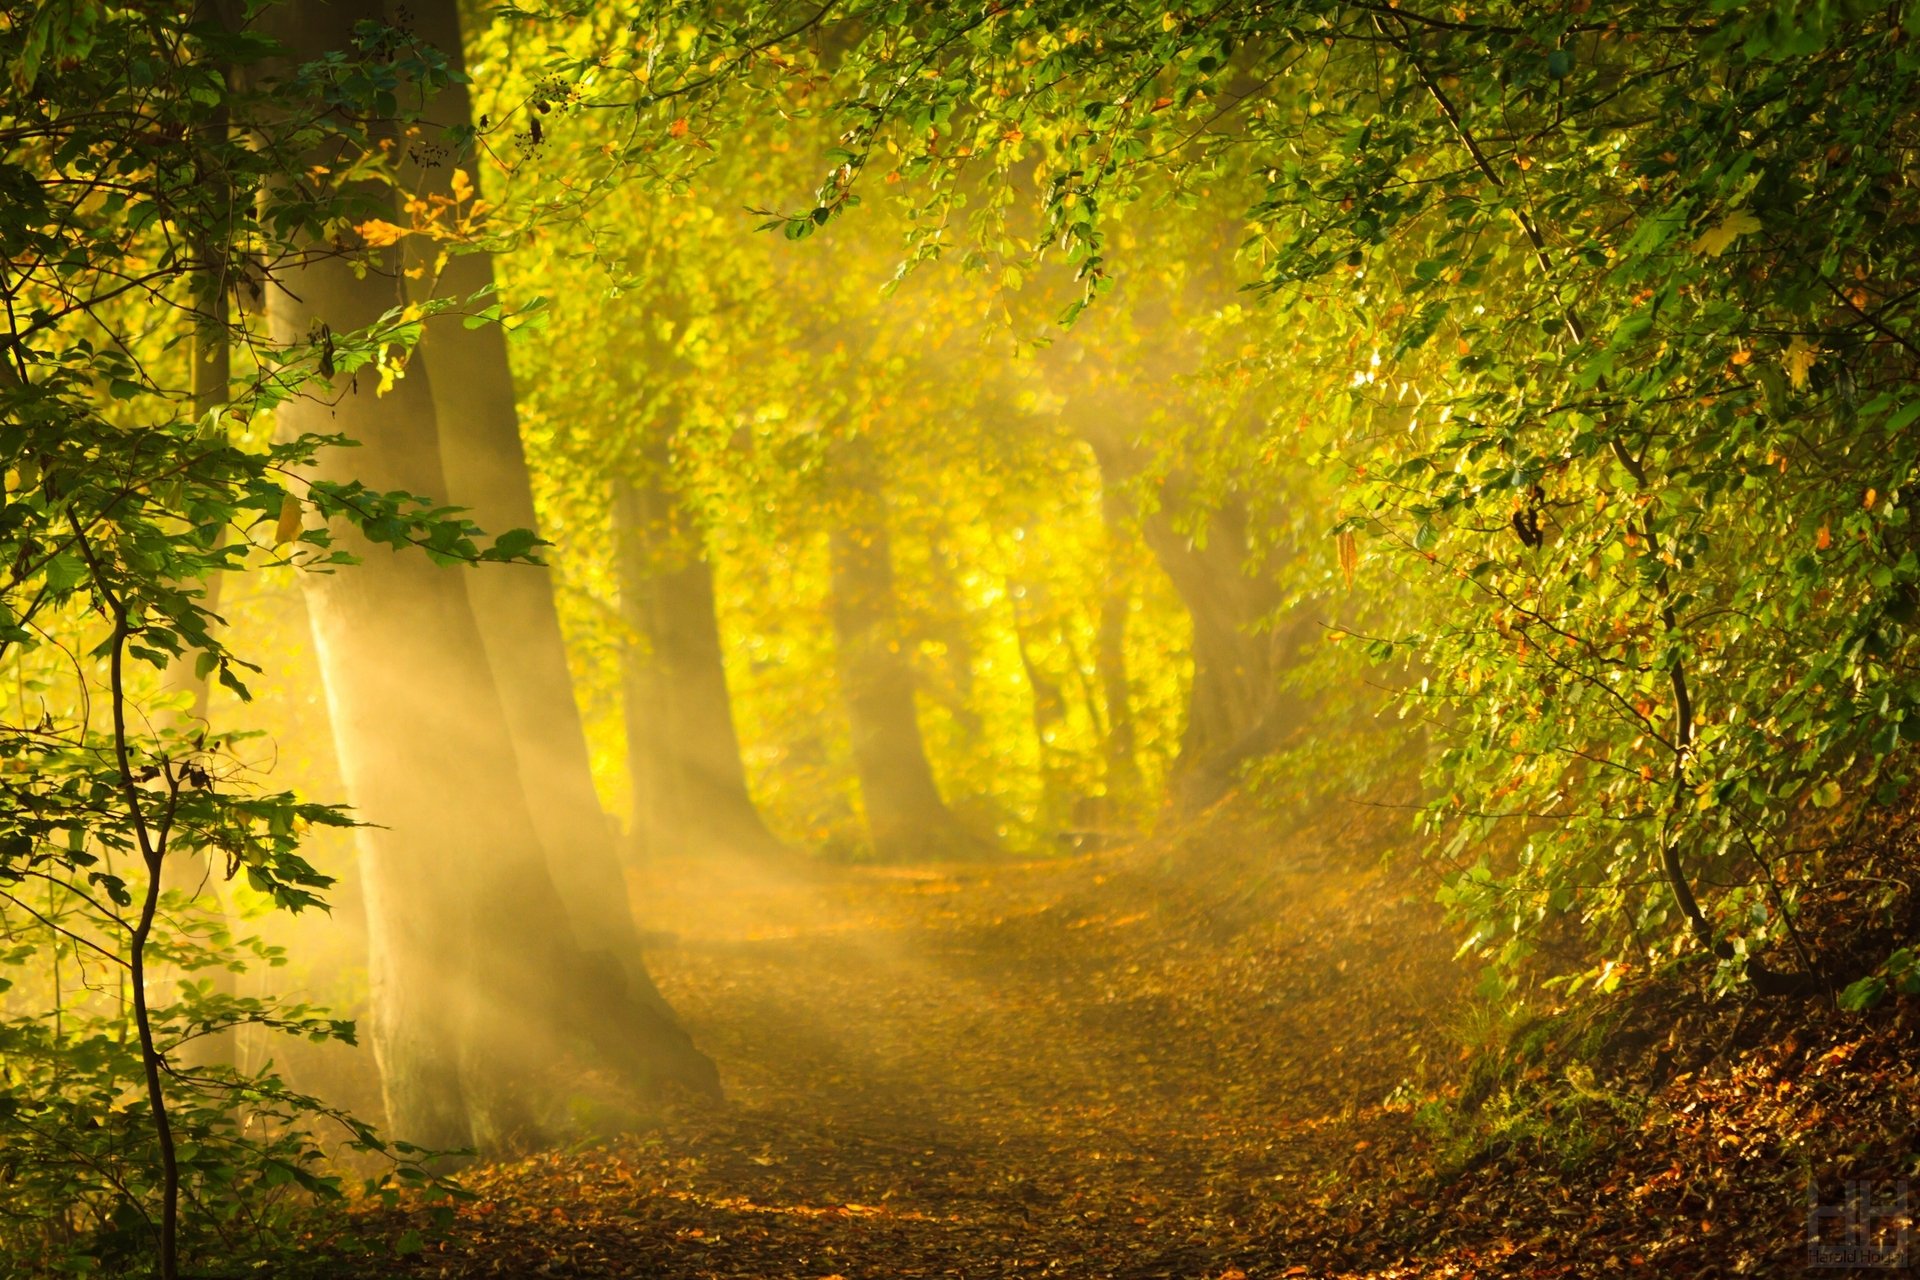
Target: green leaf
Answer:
[[1864, 994]]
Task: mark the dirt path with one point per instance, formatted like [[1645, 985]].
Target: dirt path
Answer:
[[1132, 1064]]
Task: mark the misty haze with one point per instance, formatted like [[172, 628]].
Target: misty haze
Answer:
[[996, 638]]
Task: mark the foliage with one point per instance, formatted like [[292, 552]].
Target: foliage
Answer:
[[1626, 304], [1558, 360], [145, 160], [731, 369]]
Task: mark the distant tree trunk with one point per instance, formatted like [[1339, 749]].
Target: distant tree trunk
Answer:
[[477, 978], [1122, 766], [689, 782], [950, 625], [1235, 710], [1049, 710], [906, 817], [1234, 670], [652, 780]]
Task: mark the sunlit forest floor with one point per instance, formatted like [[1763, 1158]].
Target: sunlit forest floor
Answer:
[[1155, 1061]]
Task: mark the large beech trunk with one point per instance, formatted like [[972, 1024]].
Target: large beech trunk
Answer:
[[453, 875], [486, 470], [477, 978], [906, 818], [689, 782]]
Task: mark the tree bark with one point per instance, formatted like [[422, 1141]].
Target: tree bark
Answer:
[[1122, 765], [1235, 709], [689, 781], [951, 625], [476, 974], [1234, 670], [486, 471], [906, 818], [210, 385], [1048, 711], [424, 752]]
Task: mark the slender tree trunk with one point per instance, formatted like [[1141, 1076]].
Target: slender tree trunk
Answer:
[[906, 817], [951, 625], [1049, 711], [652, 778], [689, 782], [1122, 766], [210, 385]]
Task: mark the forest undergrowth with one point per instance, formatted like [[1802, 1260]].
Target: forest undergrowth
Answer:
[[1172, 1060]]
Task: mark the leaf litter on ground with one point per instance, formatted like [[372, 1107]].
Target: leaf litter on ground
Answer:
[[1215, 1055]]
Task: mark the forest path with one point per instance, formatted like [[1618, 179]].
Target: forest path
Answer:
[[1139, 1063]]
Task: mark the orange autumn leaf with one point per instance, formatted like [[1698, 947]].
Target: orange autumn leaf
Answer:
[[378, 234]]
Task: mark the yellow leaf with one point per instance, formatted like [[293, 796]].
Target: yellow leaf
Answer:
[[1713, 243], [462, 186], [390, 371], [379, 234], [289, 526], [1168, 22], [1799, 361], [1349, 556]]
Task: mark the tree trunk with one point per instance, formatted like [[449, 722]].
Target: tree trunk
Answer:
[[486, 471], [950, 686], [424, 752], [689, 782], [476, 974], [652, 780], [1122, 766], [906, 818], [1233, 663], [1048, 711], [182, 681], [1235, 710]]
